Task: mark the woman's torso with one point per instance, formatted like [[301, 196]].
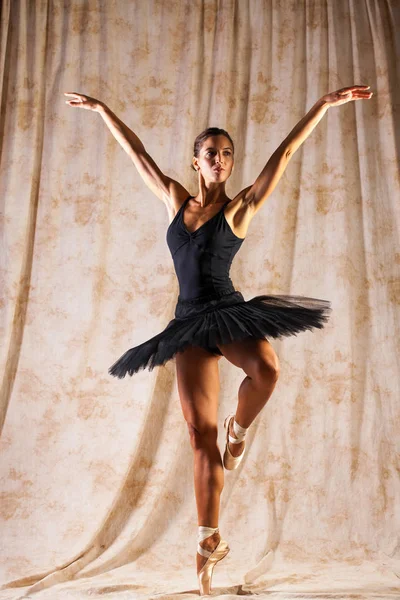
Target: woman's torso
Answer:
[[203, 256]]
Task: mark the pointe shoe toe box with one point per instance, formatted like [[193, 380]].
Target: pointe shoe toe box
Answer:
[[205, 573]]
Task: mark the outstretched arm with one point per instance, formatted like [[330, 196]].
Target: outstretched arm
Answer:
[[151, 174], [266, 182], [154, 178]]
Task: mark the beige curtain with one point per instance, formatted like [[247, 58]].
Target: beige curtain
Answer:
[[97, 490]]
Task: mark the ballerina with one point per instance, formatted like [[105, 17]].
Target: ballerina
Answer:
[[212, 319]]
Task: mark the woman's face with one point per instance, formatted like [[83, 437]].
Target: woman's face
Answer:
[[215, 159]]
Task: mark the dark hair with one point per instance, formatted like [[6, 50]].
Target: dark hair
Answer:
[[201, 138]]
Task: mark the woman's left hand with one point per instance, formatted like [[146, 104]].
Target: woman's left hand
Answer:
[[347, 94]]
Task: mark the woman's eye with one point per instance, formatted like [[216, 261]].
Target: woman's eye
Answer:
[[209, 153]]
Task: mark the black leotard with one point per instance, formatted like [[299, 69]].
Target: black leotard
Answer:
[[203, 258]]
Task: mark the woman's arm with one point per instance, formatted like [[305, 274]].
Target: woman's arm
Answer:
[[124, 136], [153, 177], [151, 174], [266, 182], [304, 127]]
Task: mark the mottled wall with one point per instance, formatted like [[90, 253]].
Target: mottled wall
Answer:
[[97, 472]]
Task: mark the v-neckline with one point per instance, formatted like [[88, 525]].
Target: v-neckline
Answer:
[[202, 225]]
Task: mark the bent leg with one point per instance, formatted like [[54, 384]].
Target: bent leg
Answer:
[[259, 361]]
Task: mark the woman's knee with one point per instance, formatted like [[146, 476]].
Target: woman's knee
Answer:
[[202, 434], [266, 368]]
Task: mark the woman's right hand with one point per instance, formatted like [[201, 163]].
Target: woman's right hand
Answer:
[[83, 101]]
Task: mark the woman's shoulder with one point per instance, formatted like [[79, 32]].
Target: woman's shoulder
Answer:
[[238, 213]]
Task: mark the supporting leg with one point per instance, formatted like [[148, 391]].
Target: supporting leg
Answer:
[[198, 384]]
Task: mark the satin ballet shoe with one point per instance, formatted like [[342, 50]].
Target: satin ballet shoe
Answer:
[[206, 571], [232, 462]]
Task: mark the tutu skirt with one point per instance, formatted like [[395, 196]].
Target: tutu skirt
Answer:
[[210, 321]]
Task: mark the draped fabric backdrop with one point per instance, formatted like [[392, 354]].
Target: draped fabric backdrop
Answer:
[[97, 493]]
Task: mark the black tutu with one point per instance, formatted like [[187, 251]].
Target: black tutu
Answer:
[[210, 321]]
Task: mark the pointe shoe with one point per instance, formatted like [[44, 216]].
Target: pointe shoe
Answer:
[[231, 462], [206, 571]]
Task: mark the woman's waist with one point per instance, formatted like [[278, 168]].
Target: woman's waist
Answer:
[[201, 287], [198, 305]]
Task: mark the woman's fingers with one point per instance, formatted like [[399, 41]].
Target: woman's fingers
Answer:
[[356, 88], [74, 97], [83, 101], [356, 92], [78, 100], [348, 94], [361, 94]]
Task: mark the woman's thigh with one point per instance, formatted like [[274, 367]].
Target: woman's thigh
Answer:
[[198, 385], [256, 357]]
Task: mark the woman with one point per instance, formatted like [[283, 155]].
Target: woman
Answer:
[[212, 319]]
